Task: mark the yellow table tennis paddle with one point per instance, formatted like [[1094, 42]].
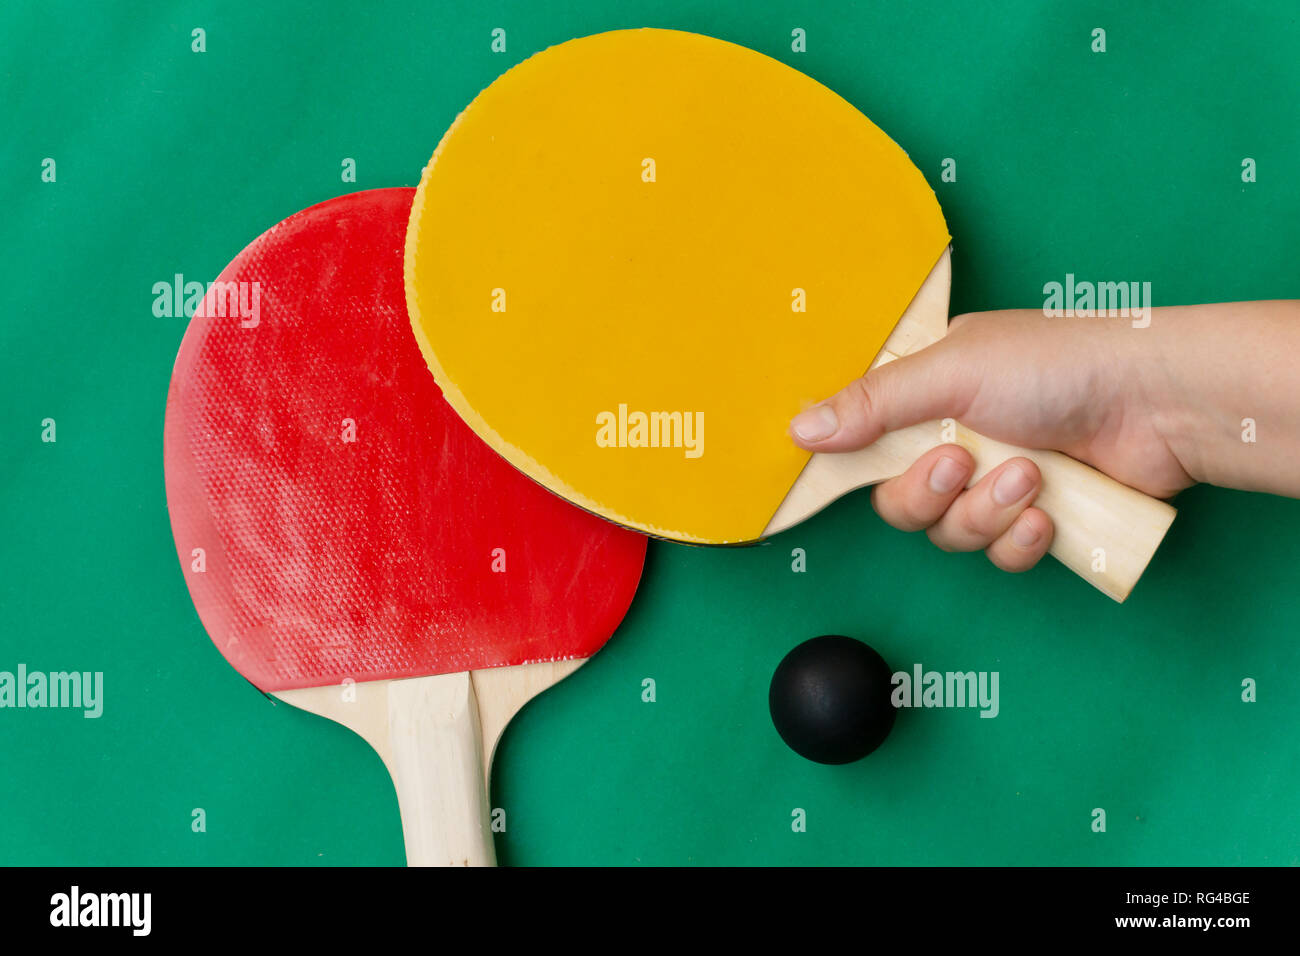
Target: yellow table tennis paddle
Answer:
[[637, 255]]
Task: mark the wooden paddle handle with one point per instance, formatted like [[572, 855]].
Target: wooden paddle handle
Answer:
[[429, 733], [436, 759], [1106, 532]]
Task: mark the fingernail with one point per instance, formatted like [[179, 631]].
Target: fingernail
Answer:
[[1025, 534], [816, 424], [1012, 485], [946, 475]]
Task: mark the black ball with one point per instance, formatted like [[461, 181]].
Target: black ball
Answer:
[[830, 699]]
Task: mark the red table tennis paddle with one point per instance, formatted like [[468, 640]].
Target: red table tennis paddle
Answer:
[[349, 544]]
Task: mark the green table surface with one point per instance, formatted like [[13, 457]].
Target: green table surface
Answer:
[[1122, 165]]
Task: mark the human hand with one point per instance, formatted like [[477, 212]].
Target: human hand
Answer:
[[1074, 385]]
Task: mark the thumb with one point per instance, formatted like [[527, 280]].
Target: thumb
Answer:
[[915, 388]]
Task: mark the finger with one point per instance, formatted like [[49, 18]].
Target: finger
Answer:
[[917, 498], [916, 388], [1022, 545], [983, 512]]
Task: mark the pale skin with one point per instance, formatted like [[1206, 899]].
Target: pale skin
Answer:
[[1159, 408]]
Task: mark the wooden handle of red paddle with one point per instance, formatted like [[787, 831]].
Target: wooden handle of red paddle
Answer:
[[1106, 532], [436, 753], [427, 732]]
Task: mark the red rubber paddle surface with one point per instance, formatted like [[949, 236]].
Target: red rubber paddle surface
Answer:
[[371, 558]]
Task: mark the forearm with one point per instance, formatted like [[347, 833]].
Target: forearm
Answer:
[[1223, 384]]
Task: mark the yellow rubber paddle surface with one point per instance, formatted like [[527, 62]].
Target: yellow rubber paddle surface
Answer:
[[635, 256]]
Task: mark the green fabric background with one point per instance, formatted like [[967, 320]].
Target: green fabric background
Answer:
[[1123, 165]]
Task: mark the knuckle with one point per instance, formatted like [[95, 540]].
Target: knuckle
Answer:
[[896, 507], [914, 516], [939, 539], [858, 394], [972, 524]]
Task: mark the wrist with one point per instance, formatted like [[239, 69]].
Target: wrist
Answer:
[[1158, 362]]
